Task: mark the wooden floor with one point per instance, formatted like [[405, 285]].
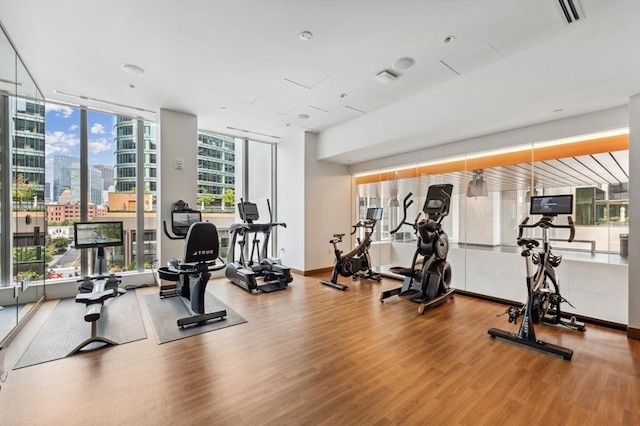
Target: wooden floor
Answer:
[[315, 355]]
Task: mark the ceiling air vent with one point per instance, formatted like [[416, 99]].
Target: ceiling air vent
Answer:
[[571, 10]]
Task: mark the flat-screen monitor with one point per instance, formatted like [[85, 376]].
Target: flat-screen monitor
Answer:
[[374, 213], [98, 234], [552, 205], [438, 199], [181, 220], [248, 211]]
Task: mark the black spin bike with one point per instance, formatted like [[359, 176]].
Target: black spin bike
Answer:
[[357, 263]]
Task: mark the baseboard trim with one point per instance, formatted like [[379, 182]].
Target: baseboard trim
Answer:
[[582, 318], [633, 333], [312, 271]]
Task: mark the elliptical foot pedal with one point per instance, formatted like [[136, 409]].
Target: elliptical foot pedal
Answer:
[[271, 287], [413, 295]]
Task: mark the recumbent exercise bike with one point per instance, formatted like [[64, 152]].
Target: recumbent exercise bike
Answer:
[[192, 274], [543, 302], [428, 278], [357, 263]]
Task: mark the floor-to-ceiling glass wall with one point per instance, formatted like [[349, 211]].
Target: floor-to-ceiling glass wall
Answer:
[[22, 190], [492, 194]]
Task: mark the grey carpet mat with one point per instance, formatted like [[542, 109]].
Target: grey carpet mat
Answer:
[[65, 328], [164, 314]]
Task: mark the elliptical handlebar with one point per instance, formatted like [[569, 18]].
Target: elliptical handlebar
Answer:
[[406, 203], [547, 222]]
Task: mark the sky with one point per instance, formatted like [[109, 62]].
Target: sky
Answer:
[[62, 135]]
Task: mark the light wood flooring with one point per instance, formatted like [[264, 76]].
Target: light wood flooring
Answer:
[[313, 355]]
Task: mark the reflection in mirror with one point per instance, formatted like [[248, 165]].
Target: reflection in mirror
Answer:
[[22, 225], [483, 222]]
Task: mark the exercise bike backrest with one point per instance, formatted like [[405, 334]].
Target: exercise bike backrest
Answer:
[[202, 244]]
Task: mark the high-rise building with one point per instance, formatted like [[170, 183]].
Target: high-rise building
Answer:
[[216, 160], [107, 175], [216, 164], [62, 166], [29, 146]]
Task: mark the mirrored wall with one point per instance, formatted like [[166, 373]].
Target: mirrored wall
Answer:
[[492, 194], [22, 188]]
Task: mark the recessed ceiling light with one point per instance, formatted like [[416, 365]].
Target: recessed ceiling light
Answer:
[[223, 108], [133, 69], [558, 110], [132, 86], [306, 35], [303, 116], [448, 39], [403, 63], [343, 95]]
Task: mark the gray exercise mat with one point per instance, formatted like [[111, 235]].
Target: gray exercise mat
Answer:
[[164, 314], [65, 328]]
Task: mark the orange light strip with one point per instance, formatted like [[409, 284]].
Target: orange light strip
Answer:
[[588, 147]]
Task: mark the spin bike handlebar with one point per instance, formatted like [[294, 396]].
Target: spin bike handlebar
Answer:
[[546, 222], [367, 223], [405, 206]]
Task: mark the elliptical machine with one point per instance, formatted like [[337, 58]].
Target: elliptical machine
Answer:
[[357, 263], [427, 280], [245, 271], [192, 274], [539, 296]]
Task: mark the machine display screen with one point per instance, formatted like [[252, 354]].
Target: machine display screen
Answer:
[[552, 205], [181, 221], [374, 213], [98, 234]]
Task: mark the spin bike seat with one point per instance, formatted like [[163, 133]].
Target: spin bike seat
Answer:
[[528, 242], [339, 235]]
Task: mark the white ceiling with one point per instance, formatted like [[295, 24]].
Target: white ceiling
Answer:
[[515, 62]]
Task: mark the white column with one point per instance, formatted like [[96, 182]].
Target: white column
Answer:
[[178, 174], [634, 217]]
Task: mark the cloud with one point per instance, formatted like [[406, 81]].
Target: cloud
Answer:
[[99, 145], [97, 129], [73, 127], [60, 110], [59, 142]]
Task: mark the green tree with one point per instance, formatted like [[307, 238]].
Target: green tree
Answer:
[[229, 197], [204, 198], [23, 190], [60, 244]]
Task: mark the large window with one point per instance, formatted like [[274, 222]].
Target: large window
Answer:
[[108, 190]]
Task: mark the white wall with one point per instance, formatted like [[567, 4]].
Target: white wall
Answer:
[[291, 196], [482, 220], [634, 212], [178, 133], [328, 201], [314, 200]]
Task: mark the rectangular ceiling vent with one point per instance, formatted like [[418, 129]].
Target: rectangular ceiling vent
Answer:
[[570, 10]]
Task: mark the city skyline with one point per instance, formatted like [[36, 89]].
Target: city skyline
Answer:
[[62, 135]]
